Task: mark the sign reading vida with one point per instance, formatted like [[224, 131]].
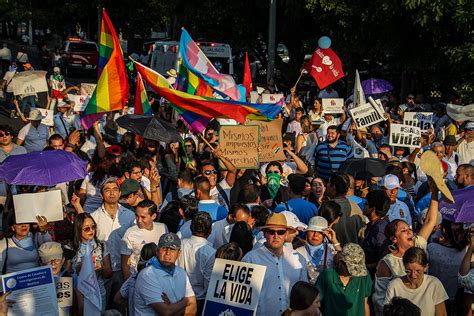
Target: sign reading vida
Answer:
[[404, 136], [423, 120], [365, 115]]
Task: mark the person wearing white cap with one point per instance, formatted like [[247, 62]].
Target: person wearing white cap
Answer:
[[321, 245], [398, 209], [34, 135]]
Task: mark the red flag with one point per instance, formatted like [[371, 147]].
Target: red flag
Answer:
[[247, 81], [325, 67]]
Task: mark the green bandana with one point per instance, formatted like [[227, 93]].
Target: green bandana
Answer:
[[273, 184]]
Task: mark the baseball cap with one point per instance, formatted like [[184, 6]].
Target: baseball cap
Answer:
[[109, 180], [354, 258], [390, 181], [129, 186], [317, 224], [50, 251], [469, 126], [296, 182], [293, 222], [169, 240]]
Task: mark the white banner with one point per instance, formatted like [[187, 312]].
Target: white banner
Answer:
[[48, 116], [333, 106], [28, 83], [423, 120], [271, 98], [365, 115], [404, 136], [30, 205], [234, 288], [88, 88], [80, 101]]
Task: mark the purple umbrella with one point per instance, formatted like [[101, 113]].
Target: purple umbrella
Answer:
[[462, 211], [376, 86], [46, 168]]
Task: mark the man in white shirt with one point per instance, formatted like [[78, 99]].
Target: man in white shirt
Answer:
[[162, 288], [145, 231], [196, 256], [221, 229], [466, 145], [285, 267]]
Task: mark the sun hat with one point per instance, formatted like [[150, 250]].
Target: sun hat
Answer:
[[50, 251], [391, 181], [169, 240], [432, 167], [317, 224], [172, 73], [450, 140], [354, 258], [275, 220], [293, 222], [35, 115]]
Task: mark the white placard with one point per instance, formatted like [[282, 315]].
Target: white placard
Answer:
[[28, 83], [404, 136], [33, 291], [88, 88], [80, 101], [423, 120], [64, 294], [365, 115], [271, 98], [253, 96], [30, 205], [234, 288], [333, 105], [48, 117]]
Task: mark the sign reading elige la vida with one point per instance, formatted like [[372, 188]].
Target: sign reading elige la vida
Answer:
[[234, 288]]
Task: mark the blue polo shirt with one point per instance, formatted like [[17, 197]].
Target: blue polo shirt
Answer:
[[216, 211], [329, 159], [399, 210]]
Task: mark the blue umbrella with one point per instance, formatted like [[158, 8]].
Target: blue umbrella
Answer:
[[45, 168], [376, 86]]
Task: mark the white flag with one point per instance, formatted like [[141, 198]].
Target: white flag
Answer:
[[87, 284], [359, 96]]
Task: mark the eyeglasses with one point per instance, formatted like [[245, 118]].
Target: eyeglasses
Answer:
[[55, 261], [89, 228], [5, 134], [209, 172], [278, 232]]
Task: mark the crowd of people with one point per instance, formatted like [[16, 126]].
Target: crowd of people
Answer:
[[333, 243]]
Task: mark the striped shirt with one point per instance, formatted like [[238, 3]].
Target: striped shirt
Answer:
[[329, 159]]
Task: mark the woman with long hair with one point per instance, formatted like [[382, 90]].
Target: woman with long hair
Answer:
[[306, 141], [318, 187]]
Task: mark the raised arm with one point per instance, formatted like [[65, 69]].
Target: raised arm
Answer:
[[431, 215]]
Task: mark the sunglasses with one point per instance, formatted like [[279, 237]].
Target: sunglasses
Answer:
[[5, 134], [279, 232], [89, 228], [209, 172]]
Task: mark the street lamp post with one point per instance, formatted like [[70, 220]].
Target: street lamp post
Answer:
[[271, 40]]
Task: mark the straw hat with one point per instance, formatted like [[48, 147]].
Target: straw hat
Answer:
[[276, 220], [431, 165], [172, 73]]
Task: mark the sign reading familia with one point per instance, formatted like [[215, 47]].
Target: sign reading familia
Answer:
[[365, 115], [234, 288], [404, 136], [239, 144]]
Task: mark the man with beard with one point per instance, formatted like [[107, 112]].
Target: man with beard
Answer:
[[330, 154], [465, 176]]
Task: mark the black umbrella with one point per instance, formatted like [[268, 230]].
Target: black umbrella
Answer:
[[364, 168], [150, 127]]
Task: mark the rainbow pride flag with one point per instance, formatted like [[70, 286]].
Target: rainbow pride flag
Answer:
[[203, 106], [142, 105], [112, 90]]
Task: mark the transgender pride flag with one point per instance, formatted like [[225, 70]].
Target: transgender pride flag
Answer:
[[195, 60]]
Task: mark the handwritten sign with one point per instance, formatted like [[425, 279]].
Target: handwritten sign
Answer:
[[30, 205], [365, 115], [80, 101], [404, 136], [239, 144], [234, 288], [271, 142], [48, 117], [64, 294], [423, 120], [87, 88], [28, 83], [271, 98], [333, 106]]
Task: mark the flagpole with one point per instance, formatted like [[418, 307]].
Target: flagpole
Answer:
[[303, 71]]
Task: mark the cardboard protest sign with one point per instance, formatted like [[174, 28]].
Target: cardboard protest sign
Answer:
[[271, 142], [365, 115], [64, 294], [234, 288], [333, 106], [48, 117], [30, 205], [239, 144], [33, 291], [423, 120], [80, 101], [28, 83], [87, 88], [271, 98], [404, 136]]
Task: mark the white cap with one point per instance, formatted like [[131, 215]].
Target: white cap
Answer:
[[56, 69], [292, 221], [390, 181], [469, 125], [317, 224]]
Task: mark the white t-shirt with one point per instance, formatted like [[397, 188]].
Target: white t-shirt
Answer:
[[426, 297], [135, 238]]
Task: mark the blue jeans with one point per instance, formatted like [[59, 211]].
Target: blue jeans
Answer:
[[24, 102]]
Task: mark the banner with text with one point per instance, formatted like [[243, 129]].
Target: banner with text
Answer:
[[271, 98], [271, 142], [234, 288], [64, 294], [239, 144], [80, 101], [48, 117], [365, 115], [404, 136], [333, 106], [423, 120]]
